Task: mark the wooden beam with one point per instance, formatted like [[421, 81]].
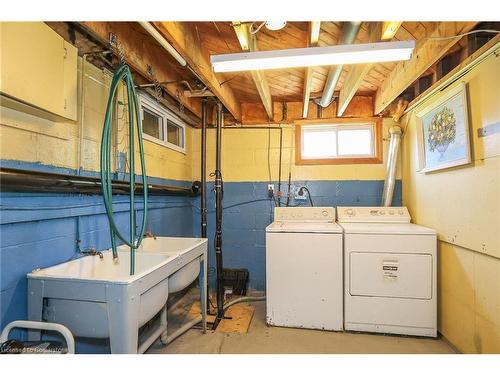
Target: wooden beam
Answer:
[[492, 45], [314, 30], [427, 52], [139, 52], [186, 42], [289, 111], [357, 73], [248, 42], [389, 29]]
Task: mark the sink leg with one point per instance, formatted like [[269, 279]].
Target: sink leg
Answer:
[[163, 322], [35, 307], [203, 292], [123, 320]]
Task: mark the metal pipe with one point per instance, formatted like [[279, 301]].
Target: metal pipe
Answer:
[[349, 32], [218, 217], [82, 111], [163, 42], [203, 198], [289, 195], [392, 159], [279, 170], [33, 181]]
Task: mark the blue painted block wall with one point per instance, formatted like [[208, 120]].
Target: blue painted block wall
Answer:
[[248, 210], [41, 230]]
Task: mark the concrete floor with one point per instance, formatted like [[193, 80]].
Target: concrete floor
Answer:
[[262, 339]]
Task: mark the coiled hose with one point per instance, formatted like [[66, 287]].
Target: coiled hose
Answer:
[[123, 72]]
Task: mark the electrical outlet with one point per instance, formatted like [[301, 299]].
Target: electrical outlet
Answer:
[[298, 192], [270, 190]]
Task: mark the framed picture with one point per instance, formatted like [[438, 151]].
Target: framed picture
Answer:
[[444, 132]]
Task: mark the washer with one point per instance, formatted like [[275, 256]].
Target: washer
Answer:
[[389, 272], [304, 279]]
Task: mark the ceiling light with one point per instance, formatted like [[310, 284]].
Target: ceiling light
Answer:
[[314, 56], [275, 25]]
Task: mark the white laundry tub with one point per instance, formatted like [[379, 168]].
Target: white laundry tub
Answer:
[[184, 250], [98, 298]]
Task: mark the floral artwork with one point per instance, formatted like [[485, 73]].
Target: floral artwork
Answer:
[[445, 132], [442, 131]]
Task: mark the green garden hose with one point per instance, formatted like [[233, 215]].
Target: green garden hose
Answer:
[[123, 72]]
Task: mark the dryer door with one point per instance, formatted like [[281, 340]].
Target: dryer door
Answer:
[[396, 275]]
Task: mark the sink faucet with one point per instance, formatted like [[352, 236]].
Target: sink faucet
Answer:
[[92, 251]]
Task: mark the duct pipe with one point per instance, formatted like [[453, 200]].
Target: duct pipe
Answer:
[[218, 217], [163, 42], [349, 33], [392, 159]]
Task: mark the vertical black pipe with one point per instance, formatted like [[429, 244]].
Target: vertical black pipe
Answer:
[[279, 168], [289, 189], [203, 202], [203, 198], [218, 216]]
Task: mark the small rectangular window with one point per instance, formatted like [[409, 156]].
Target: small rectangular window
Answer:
[[339, 141], [159, 125], [152, 124], [175, 134]]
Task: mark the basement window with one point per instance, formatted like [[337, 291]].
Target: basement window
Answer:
[[339, 141], [160, 125]]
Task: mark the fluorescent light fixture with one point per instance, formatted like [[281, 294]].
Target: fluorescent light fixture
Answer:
[[275, 25], [313, 56]]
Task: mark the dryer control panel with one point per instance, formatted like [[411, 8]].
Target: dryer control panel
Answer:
[[305, 214], [373, 215]]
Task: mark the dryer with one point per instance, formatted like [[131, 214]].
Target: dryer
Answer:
[[390, 268], [304, 282]]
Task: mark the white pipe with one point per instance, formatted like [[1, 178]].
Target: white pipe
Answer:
[[392, 161], [28, 324], [186, 327], [163, 42], [151, 339]]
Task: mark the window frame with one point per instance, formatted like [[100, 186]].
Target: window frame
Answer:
[[150, 104], [377, 157]]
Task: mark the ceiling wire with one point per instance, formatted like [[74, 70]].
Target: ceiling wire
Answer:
[[463, 34]]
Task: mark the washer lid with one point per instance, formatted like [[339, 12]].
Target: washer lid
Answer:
[[303, 227], [386, 228]]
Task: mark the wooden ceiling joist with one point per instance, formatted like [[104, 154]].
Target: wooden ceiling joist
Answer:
[[314, 29], [357, 73], [248, 42], [185, 41], [427, 52], [139, 52]]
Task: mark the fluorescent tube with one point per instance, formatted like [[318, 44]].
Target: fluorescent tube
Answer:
[[313, 56]]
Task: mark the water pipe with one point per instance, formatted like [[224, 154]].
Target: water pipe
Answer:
[[123, 73]]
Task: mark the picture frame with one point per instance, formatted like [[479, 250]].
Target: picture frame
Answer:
[[444, 136]]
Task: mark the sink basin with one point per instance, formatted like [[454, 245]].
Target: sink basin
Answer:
[[183, 250], [98, 298]]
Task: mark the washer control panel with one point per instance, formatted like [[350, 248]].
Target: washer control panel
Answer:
[[314, 214], [373, 215]]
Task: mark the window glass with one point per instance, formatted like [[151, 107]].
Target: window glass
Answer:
[[174, 134], [152, 124], [355, 141], [319, 143]]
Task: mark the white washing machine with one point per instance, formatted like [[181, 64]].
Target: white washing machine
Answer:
[[389, 272], [304, 282]]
